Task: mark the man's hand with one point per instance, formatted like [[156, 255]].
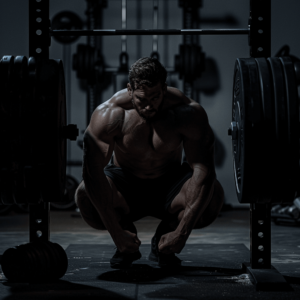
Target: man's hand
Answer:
[[127, 242], [172, 242]]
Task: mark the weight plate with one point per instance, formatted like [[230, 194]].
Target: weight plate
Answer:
[[282, 184], [291, 92], [52, 156], [6, 78], [30, 142], [69, 195], [268, 128], [63, 260], [66, 20], [246, 123], [20, 76]]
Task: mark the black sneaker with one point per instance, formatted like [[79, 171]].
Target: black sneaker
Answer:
[[164, 260], [124, 260]]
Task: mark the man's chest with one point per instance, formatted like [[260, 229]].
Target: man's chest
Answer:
[[146, 138]]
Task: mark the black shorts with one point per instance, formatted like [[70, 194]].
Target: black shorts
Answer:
[[149, 197]]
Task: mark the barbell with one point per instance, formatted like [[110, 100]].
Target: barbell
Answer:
[[33, 130]]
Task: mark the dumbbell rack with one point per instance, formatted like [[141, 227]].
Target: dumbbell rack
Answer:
[[264, 275]]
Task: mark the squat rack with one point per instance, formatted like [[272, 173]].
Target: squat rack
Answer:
[[259, 40]]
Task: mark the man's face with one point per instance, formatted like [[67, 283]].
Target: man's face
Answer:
[[147, 100]]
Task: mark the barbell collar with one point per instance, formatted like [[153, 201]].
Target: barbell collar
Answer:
[[100, 32]]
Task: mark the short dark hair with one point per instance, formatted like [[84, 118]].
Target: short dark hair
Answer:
[[147, 71]]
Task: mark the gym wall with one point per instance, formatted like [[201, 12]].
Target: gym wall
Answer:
[[223, 49]]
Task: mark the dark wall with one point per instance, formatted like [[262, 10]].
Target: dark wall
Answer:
[[223, 49]]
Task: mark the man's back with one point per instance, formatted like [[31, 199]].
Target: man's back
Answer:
[[147, 147]]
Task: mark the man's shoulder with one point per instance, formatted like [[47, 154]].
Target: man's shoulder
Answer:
[[190, 117], [185, 109]]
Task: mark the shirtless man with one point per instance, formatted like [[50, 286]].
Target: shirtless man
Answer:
[[147, 126]]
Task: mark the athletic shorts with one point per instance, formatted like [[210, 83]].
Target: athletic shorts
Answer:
[[149, 197]]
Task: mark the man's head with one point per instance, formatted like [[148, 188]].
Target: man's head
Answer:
[[147, 86]]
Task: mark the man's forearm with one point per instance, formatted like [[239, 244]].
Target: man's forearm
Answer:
[[98, 187], [100, 194], [197, 197]]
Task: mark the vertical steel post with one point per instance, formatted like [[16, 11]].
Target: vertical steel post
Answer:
[[260, 214], [39, 42], [260, 236], [260, 28]]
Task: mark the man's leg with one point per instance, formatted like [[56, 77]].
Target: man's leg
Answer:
[[211, 212], [88, 211], [92, 218]]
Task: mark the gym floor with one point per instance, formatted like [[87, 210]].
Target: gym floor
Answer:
[[224, 244]]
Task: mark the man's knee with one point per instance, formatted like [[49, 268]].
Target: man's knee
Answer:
[[87, 209]]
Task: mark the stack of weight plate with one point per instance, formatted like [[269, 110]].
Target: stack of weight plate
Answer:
[[32, 116], [265, 130]]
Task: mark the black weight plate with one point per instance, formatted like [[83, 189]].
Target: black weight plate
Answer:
[[69, 195], [17, 148], [268, 128], [247, 113], [11, 262], [188, 67], [52, 157], [63, 260], [6, 75], [282, 187], [30, 140], [293, 121], [55, 260], [45, 263], [66, 20]]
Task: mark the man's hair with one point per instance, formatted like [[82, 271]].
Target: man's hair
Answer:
[[147, 71]]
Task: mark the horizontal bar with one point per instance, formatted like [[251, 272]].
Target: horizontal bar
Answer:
[[99, 32]]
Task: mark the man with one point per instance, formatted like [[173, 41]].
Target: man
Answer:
[[147, 126]]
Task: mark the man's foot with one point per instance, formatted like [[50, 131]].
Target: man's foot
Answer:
[[164, 260], [124, 260]]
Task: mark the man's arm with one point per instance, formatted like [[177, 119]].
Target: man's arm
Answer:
[[106, 124], [198, 143]]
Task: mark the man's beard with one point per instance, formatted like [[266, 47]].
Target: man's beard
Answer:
[[145, 117]]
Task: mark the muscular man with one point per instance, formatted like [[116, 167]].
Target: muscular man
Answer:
[[147, 126]]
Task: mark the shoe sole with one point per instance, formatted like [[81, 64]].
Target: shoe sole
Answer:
[[124, 265], [154, 258]]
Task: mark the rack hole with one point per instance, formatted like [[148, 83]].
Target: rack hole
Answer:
[[38, 10], [39, 20], [260, 222], [260, 31], [261, 234], [38, 0], [261, 248], [39, 221], [260, 18], [39, 32], [261, 261], [260, 49], [39, 233], [38, 50]]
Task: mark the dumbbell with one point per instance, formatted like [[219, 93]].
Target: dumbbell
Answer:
[[34, 262]]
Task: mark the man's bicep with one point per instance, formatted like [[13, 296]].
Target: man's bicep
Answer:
[[199, 150], [97, 150], [99, 138]]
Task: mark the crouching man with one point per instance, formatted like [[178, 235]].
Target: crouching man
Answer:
[[147, 126]]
